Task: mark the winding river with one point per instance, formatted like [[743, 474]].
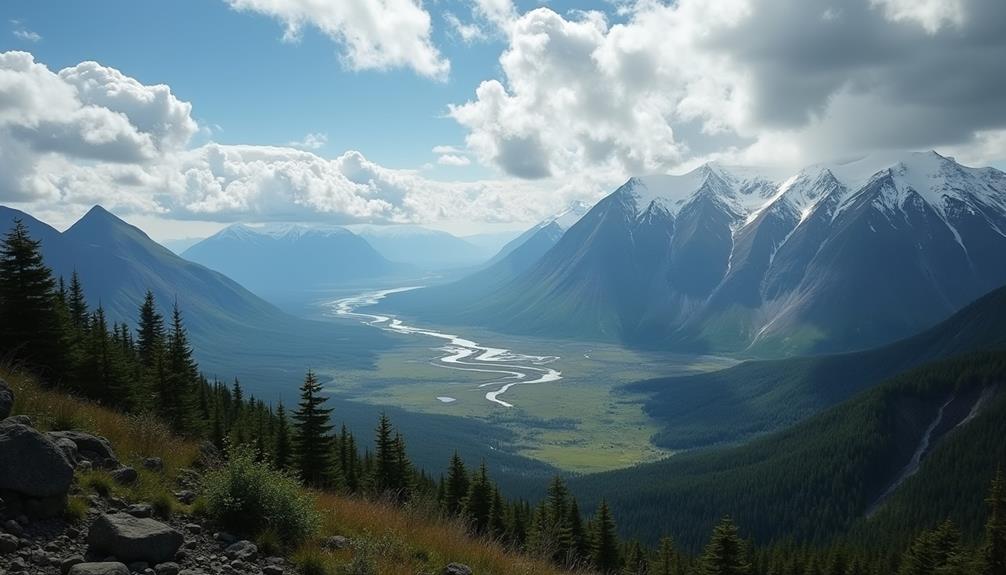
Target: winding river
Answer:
[[510, 369]]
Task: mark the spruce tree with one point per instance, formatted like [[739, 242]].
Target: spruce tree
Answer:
[[604, 541], [178, 394], [312, 446], [478, 502], [77, 303], [283, 447], [994, 548], [667, 562], [386, 457], [726, 553], [456, 485], [150, 333], [29, 321], [578, 536]]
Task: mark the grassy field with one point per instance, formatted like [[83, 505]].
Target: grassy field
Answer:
[[583, 423]]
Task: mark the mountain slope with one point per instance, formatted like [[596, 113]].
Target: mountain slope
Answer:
[[235, 331], [759, 397], [298, 258], [834, 258], [820, 478], [422, 247]]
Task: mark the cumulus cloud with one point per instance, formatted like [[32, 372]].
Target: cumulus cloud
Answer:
[[374, 34], [453, 160], [311, 141], [751, 81], [27, 35], [89, 134]]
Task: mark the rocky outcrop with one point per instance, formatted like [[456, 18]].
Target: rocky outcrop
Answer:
[[99, 569], [131, 539], [457, 569], [92, 448], [6, 399], [31, 464]]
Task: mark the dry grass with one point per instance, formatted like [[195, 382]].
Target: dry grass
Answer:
[[394, 540]]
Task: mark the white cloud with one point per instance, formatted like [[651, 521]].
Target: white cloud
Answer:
[[453, 160], [468, 33], [737, 80], [374, 34], [89, 134], [930, 14], [311, 141], [27, 35]]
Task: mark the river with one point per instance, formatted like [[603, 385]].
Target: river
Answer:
[[459, 353]]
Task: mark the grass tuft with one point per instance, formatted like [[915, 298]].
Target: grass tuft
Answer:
[[76, 509]]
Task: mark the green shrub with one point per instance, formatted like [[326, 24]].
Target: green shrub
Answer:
[[98, 481], [310, 560], [248, 497], [269, 542], [76, 509], [163, 505]]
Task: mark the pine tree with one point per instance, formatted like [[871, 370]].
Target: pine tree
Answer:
[[386, 457], [77, 303], [178, 394], [497, 515], [604, 541], [283, 447], [635, 560], [403, 470], [478, 502], [313, 446], [668, 561], [725, 554], [150, 333], [994, 548], [578, 536], [456, 485], [29, 321]]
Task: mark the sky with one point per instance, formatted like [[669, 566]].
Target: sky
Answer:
[[466, 115]]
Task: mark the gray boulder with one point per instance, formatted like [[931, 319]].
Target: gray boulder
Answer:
[[107, 568], [8, 544], [93, 448], [457, 569], [68, 448], [66, 564], [335, 543], [22, 419], [124, 475], [153, 464], [169, 568], [30, 463], [6, 399], [242, 551], [132, 539]]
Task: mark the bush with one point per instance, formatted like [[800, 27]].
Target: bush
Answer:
[[310, 560], [98, 481], [76, 509], [163, 505], [248, 497]]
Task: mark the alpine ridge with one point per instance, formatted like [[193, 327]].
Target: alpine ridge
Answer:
[[836, 257]]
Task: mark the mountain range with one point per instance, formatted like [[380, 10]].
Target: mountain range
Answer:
[[832, 258], [235, 332], [283, 258]]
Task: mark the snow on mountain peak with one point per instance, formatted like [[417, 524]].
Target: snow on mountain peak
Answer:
[[568, 217]]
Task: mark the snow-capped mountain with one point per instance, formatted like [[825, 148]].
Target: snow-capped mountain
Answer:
[[283, 258], [833, 257]]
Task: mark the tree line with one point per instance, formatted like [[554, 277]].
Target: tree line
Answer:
[[47, 326]]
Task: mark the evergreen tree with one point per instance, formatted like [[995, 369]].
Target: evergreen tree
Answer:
[[283, 447], [604, 541], [30, 328], [668, 561], [150, 333], [313, 447], [635, 560], [725, 554], [497, 515], [578, 536], [478, 502], [994, 549], [177, 396], [386, 464], [77, 303], [456, 485]]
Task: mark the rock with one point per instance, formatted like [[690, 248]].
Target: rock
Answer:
[[93, 448], [66, 564], [8, 544], [140, 510], [69, 449], [168, 568], [335, 543], [45, 507], [107, 568], [224, 537], [153, 464], [124, 475], [138, 566], [242, 550], [457, 569], [31, 464], [13, 527], [22, 419], [194, 528], [84, 465], [131, 538], [272, 570], [185, 496], [6, 399]]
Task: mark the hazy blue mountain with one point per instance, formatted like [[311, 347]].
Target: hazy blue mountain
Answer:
[[286, 258], [724, 259], [179, 245], [234, 331], [491, 242], [422, 247]]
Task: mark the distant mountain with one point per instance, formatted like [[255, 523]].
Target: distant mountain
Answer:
[[235, 332], [422, 247], [758, 397], [725, 259], [286, 258], [491, 242], [179, 245], [447, 301], [906, 455]]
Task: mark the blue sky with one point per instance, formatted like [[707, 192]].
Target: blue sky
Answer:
[[200, 113], [242, 77]]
